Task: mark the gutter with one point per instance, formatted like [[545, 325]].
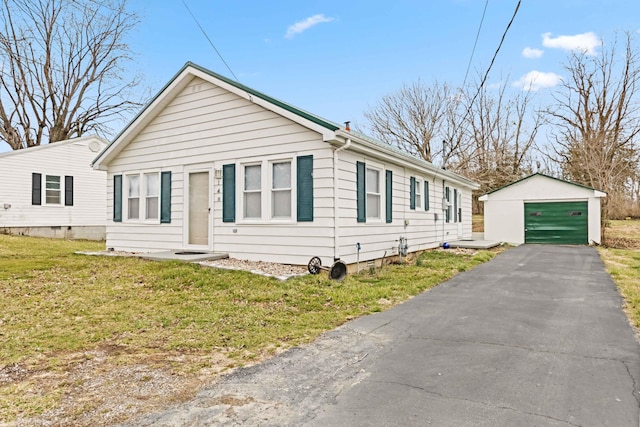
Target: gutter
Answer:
[[336, 213]]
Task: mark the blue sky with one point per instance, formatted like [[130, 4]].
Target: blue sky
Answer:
[[337, 58]]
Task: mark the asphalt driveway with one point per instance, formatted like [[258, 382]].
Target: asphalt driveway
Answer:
[[535, 337]]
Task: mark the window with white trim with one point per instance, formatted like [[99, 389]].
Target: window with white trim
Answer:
[[151, 195], [53, 190], [418, 195], [252, 192], [281, 190], [133, 196], [373, 193]]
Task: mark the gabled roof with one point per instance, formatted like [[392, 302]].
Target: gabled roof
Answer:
[[56, 144], [542, 175], [331, 132]]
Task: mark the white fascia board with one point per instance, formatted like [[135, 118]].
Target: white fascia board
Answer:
[[599, 194], [483, 198], [143, 118]]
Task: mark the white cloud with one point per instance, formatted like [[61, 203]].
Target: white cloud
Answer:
[[536, 80], [305, 24], [531, 53], [586, 42]]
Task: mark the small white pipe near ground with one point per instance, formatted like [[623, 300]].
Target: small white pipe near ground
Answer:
[[336, 211]]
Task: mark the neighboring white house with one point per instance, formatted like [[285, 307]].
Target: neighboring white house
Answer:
[[212, 165], [543, 209], [52, 191]]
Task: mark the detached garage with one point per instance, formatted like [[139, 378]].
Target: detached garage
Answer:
[[543, 209]]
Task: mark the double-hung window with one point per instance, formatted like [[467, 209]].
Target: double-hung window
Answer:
[[418, 195], [133, 196], [140, 197], [373, 193], [152, 195], [252, 193], [53, 190], [281, 190]]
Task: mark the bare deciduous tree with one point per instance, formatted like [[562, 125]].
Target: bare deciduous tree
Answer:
[[62, 68], [500, 130], [488, 140], [597, 123], [412, 118]]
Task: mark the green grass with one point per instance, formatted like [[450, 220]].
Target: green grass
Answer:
[[621, 256], [56, 303]]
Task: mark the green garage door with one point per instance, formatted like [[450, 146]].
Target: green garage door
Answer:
[[560, 223]]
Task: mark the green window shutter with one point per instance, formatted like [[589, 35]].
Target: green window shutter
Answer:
[[304, 185], [455, 205], [426, 195], [117, 198], [361, 191], [68, 191], [165, 197], [36, 189], [389, 196], [412, 193], [447, 212], [229, 193]]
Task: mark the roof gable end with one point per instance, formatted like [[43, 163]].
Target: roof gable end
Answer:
[[181, 80], [542, 175]]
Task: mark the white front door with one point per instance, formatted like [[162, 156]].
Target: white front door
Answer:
[[199, 207]]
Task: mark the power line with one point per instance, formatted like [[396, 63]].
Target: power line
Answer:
[[486, 75], [475, 43], [210, 42]]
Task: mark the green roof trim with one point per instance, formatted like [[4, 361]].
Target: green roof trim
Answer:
[[327, 124], [297, 111], [543, 175], [304, 114]]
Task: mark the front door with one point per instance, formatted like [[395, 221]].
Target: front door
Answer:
[[199, 209]]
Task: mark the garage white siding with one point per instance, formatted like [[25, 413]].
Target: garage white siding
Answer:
[[504, 208]]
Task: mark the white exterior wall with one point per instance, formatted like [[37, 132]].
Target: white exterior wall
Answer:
[[206, 127], [504, 209], [64, 158], [378, 238]]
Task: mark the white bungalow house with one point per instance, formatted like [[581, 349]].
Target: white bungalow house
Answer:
[[543, 209], [212, 165], [52, 191]]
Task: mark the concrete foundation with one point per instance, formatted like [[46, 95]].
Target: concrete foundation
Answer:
[[86, 232]]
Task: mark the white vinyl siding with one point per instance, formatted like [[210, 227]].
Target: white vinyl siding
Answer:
[[204, 125], [71, 158]]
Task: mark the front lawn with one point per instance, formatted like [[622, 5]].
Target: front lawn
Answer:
[[69, 323], [621, 255]]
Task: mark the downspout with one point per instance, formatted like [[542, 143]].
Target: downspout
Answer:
[[336, 219]]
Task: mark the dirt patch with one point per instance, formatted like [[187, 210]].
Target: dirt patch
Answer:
[[108, 385]]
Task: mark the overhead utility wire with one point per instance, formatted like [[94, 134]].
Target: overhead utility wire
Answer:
[[475, 43], [486, 75], [210, 42]]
